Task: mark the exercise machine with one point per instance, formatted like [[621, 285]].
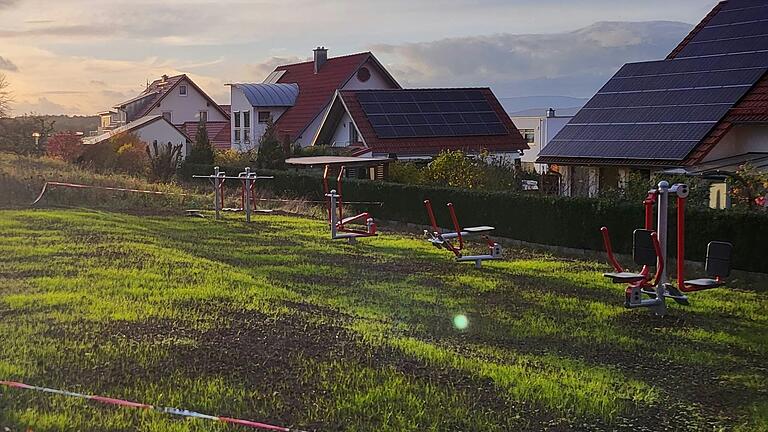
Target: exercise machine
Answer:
[[338, 223], [445, 240], [649, 250], [247, 180]]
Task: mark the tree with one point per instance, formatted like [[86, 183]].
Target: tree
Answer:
[[5, 97], [202, 151], [66, 146], [271, 151], [16, 134]]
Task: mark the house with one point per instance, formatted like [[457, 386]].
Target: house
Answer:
[[538, 127], [706, 102], [419, 123], [149, 129], [177, 99], [296, 96]]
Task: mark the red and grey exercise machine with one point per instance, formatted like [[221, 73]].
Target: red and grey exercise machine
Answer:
[[247, 180], [337, 221], [445, 240], [650, 250]]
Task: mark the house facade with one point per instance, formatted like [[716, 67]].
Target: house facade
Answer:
[[538, 127], [296, 96], [178, 100], [704, 107], [419, 123]]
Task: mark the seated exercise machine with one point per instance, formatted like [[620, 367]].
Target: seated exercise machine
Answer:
[[336, 219], [650, 249], [248, 195], [443, 240]]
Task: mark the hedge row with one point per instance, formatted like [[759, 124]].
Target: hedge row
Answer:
[[560, 221]]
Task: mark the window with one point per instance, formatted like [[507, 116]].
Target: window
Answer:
[[529, 135], [182, 90], [246, 135], [265, 116], [353, 137], [246, 119], [236, 132], [204, 116], [168, 115]]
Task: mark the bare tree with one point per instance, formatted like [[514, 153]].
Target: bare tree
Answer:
[[5, 97]]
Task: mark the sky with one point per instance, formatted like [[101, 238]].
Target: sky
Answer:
[[83, 56]]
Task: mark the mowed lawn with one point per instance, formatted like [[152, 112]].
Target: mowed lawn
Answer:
[[275, 322]]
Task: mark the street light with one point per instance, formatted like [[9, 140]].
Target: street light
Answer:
[[36, 136]]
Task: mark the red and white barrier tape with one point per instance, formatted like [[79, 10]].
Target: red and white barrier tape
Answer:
[[82, 186], [165, 410]]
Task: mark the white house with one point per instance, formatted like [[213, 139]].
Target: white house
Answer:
[[149, 129], [177, 99], [538, 127], [254, 106]]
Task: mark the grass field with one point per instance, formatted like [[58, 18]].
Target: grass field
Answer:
[[275, 322]]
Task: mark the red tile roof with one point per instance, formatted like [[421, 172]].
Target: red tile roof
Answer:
[[510, 142], [218, 133], [317, 89]]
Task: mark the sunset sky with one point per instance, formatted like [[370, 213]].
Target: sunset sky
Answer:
[[82, 56]]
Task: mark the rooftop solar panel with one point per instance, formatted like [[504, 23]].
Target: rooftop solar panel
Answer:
[[430, 113], [752, 27], [740, 15], [742, 4]]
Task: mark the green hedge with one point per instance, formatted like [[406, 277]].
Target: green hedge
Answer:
[[560, 221]]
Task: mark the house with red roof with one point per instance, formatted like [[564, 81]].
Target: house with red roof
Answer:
[[178, 100], [297, 96], [419, 123], [703, 110]]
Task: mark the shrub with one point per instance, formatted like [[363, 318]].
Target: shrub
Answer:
[[232, 158], [405, 172], [124, 152], [163, 160], [66, 146], [750, 188]]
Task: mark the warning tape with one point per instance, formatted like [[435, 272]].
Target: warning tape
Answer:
[[82, 186], [165, 410]]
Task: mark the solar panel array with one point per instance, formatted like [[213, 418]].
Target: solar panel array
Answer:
[[430, 113], [663, 109]]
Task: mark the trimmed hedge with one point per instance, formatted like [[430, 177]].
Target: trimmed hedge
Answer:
[[551, 220]]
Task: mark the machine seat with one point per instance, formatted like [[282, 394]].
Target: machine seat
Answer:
[[625, 277], [705, 283], [478, 229]]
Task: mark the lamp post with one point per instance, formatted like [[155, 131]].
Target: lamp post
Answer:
[[36, 136]]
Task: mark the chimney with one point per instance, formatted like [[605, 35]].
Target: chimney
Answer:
[[551, 113], [321, 56], [164, 77]]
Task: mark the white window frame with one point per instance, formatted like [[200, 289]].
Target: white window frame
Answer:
[[258, 116], [183, 90], [236, 125], [202, 114]]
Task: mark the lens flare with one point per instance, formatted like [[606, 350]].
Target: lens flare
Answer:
[[461, 322]]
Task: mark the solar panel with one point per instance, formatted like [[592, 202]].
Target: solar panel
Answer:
[[742, 4], [430, 113], [735, 30], [750, 44], [741, 15]]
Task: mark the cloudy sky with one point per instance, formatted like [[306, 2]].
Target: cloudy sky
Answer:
[[81, 56]]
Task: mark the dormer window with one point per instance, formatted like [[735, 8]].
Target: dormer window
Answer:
[[182, 90]]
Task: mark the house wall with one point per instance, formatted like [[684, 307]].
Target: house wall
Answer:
[[544, 128], [241, 104], [163, 133], [341, 135], [187, 108], [739, 140], [377, 81]]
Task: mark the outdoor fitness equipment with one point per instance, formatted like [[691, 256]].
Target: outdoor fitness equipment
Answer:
[[336, 219], [442, 240], [650, 249], [247, 182]]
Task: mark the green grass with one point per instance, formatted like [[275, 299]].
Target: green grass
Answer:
[[273, 321]]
